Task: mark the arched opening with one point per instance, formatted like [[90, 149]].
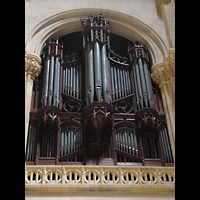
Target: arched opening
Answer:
[[98, 79]]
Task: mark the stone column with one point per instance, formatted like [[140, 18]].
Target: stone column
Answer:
[[164, 75], [32, 70]]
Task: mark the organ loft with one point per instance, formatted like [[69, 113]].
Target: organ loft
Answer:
[[95, 102]]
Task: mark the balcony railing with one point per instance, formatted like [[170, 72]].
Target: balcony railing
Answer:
[[134, 176]]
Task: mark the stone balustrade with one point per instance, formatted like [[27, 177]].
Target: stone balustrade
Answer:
[[131, 176]]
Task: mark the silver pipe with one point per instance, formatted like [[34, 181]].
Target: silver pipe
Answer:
[[154, 146], [55, 92], [126, 140], [127, 86], [63, 88], [71, 80], [65, 142], [112, 82], [129, 142], [168, 146], [80, 80], [116, 82], [136, 87], [136, 145], [90, 71], [74, 144], [62, 143], [72, 140], [33, 141], [105, 74], [58, 83], [144, 90], [119, 83], [148, 82], [29, 141], [68, 144], [86, 75], [164, 146], [68, 79], [74, 80], [129, 82], [121, 79], [138, 83], [77, 80], [97, 71], [51, 76], [124, 81], [46, 81], [116, 136], [77, 139]]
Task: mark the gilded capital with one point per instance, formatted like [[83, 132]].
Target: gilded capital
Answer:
[[32, 65], [164, 71]]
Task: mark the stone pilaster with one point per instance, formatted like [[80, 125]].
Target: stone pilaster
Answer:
[[164, 75], [32, 70]]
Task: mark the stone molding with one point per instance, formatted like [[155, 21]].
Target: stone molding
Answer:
[[117, 177], [32, 65], [164, 71]]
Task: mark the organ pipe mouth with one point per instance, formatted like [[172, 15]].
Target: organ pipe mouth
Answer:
[[98, 87]]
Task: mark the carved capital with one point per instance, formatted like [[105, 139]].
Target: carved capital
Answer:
[[32, 65], [164, 71]]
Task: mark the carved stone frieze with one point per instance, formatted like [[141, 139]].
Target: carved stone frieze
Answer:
[[32, 65]]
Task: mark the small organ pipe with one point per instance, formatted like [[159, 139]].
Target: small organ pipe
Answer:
[[112, 82], [68, 80], [68, 142], [119, 83], [74, 80], [121, 79], [62, 143], [71, 80], [124, 80], [116, 82], [63, 90], [77, 80], [80, 80], [136, 145], [97, 70], [129, 81]]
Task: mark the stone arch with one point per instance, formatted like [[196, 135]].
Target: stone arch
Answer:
[[67, 22]]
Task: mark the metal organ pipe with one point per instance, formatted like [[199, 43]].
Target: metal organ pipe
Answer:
[[90, 71], [105, 74], [97, 65]]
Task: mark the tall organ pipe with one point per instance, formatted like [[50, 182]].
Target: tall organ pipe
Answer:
[[148, 82], [138, 82], [56, 77], [144, 90], [45, 81], [80, 80], [97, 69], [86, 75], [51, 75], [106, 77], [90, 71]]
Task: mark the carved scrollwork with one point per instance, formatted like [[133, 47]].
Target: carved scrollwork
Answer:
[[123, 107], [72, 106]]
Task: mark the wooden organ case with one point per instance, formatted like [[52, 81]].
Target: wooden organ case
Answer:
[[96, 107]]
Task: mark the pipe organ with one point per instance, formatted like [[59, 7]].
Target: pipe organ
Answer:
[[96, 106], [51, 75]]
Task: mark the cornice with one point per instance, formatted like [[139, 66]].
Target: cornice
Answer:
[[32, 65]]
